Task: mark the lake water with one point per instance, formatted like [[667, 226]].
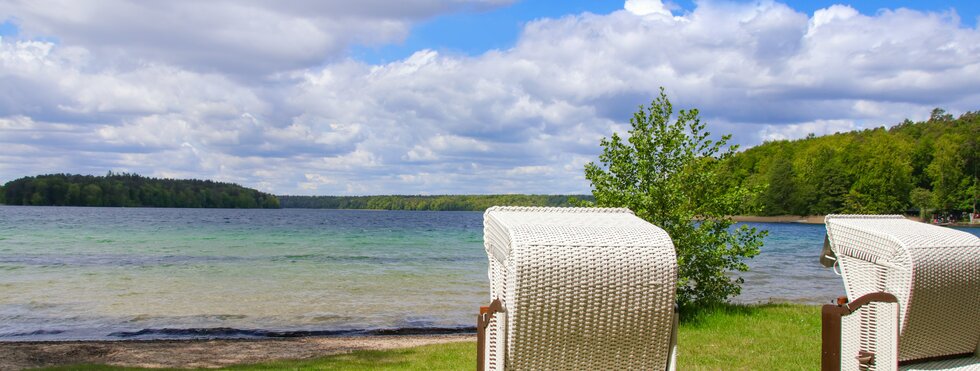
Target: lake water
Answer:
[[134, 273]]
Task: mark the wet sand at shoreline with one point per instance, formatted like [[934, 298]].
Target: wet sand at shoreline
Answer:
[[199, 353]]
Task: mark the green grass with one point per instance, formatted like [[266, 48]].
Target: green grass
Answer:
[[451, 356], [765, 337]]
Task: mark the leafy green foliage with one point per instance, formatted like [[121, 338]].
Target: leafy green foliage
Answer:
[[670, 174], [885, 177], [131, 190], [870, 171], [922, 199], [781, 194], [946, 172], [439, 203]]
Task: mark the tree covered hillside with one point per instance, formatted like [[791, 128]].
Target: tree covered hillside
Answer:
[[130, 190], [930, 165]]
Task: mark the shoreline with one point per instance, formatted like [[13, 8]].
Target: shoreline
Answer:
[[229, 333], [200, 353], [818, 219], [807, 219]]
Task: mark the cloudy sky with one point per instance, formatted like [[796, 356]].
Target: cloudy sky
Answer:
[[448, 96]]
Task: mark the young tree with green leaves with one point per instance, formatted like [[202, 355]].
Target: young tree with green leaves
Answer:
[[671, 175], [922, 199], [885, 178], [781, 193], [946, 172]]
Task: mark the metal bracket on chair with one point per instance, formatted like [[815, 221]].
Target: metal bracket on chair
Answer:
[[488, 311], [865, 358]]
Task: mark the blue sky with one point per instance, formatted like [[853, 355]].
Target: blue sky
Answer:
[[8, 28], [475, 32], [437, 97]]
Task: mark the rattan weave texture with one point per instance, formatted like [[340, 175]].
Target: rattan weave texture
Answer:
[[583, 289], [933, 271], [958, 364]]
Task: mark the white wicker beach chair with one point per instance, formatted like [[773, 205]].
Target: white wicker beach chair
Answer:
[[577, 289], [914, 293]]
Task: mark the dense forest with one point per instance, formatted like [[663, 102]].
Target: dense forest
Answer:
[[130, 190], [445, 202], [929, 166]]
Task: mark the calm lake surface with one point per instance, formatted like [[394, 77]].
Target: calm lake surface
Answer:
[[134, 273]]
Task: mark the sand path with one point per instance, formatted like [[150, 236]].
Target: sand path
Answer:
[[198, 353]]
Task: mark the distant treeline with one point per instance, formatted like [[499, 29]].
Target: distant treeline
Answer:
[[130, 190], [925, 166], [440, 203]]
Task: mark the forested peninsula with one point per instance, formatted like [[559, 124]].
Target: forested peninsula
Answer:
[[130, 190], [440, 203], [926, 167]]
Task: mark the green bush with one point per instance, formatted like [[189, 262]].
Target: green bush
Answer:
[[671, 175]]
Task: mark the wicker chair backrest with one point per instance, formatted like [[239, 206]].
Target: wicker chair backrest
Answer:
[[933, 271], [582, 289]]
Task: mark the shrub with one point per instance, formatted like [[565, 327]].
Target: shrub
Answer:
[[670, 174]]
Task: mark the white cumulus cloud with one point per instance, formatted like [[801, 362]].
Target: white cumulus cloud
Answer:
[[646, 7], [264, 106]]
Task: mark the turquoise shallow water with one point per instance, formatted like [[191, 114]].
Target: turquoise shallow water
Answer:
[[125, 273]]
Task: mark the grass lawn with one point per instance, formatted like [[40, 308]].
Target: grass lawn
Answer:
[[766, 337]]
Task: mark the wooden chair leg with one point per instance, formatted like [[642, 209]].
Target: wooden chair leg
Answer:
[[830, 359], [481, 337], [831, 332], [482, 321]]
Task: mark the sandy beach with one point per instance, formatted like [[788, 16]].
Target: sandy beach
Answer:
[[198, 353]]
